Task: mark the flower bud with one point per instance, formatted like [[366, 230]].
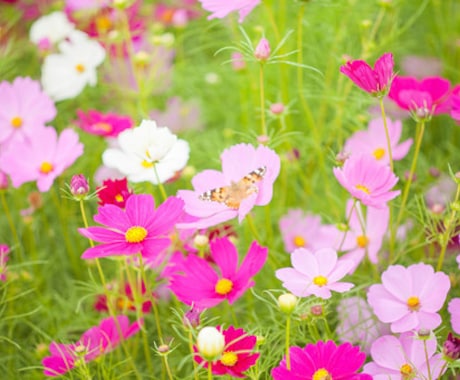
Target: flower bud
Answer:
[[238, 62], [317, 310], [451, 348], [200, 241], [277, 108], [79, 186], [287, 302], [192, 317], [262, 51], [210, 343]]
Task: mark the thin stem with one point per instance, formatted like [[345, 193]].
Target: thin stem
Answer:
[[168, 369], [253, 227], [190, 344], [347, 222], [262, 100], [427, 359], [209, 370], [160, 185], [10, 220], [288, 334], [387, 133]]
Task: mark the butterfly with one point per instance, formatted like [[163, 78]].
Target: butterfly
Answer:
[[234, 194]]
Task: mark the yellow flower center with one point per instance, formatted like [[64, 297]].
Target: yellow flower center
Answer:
[[16, 122], [362, 241], [80, 68], [147, 164], [103, 24], [363, 188], [322, 374], [379, 153], [135, 234], [224, 286], [102, 126], [118, 197], [299, 241], [46, 167], [413, 303], [124, 303], [320, 281], [229, 359], [406, 371]]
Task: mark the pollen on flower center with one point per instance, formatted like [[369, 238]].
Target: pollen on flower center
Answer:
[[224, 286], [103, 24], [46, 167], [104, 127], [413, 303], [135, 234], [147, 164], [229, 359], [320, 281], [362, 241], [16, 122], [406, 371], [379, 153], [80, 68], [363, 189], [322, 374], [118, 197], [299, 241]]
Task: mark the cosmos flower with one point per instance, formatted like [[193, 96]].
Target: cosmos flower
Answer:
[[322, 360], [51, 28], [409, 298], [454, 310], [114, 191], [221, 9], [100, 124]]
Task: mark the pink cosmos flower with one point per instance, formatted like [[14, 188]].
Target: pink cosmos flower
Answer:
[[454, 310], [404, 358], [179, 115], [246, 180], [455, 109], [367, 180], [424, 98], [114, 192], [315, 273], [409, 298], [100, 124], [95, 342], [237, 356], [43, 158], [323, 360], [139, 228], [373, 141], [221, 9], [375, 81], [25, 109], [200, 283], [301, 230], [4, 252]]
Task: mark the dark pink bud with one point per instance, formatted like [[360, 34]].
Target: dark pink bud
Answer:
[[451, 347], [79, 186]]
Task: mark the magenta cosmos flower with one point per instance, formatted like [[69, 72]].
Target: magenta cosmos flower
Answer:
[[409, 298], [454, 310], [43, 158], [323, 360], [375, 81], [25, 109], [95, 342], [315, 273], [200, 284], [139, 228], [221, 9], [367, 180], [237, 356], [405, 358], [373, 141], [100, 124], [246, 180]]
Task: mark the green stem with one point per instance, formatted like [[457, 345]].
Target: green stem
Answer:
[[190, 344], [10, 220], [168, 369], [387, 133], [288, 334], [347, 222], [209, 370], [253, 227], [427, 359], [160, 185], [262, 100]]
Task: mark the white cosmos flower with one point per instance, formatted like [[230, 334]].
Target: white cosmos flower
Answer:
[[148, 153], [53, 27], [65, 75]]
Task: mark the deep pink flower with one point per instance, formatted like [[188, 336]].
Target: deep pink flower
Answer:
[[246, 180], [315, 273], [100, 124], [323, 360], [404, 358], [199, 283], [373, 141], [409, 298], [424, 98], [455, 104], [374, 81], [367, 180], [139, 228], [221, 8], [114, 191], [95, 342], [454, 310], [4, 252], [43, 158], [25, 109], [238, 355]]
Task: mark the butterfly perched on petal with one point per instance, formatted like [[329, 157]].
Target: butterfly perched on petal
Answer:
[[236, 192]]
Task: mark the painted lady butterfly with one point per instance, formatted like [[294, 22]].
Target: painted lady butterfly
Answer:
[[234, 194]]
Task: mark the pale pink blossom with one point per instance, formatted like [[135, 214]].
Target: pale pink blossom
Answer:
[[221, 9]]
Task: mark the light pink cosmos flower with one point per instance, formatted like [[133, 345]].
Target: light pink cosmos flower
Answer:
[[301, 230], [24, 109], [315, 273], [454, 310], [97, 341], [200, 284], [41, 159], [179, 115], [139, 228], [367, 180], [221, 8], [246, 180], [409, 298], [374, 81], [405, 358], [373, 141], [421, 67], [100, 124], [4, 252]]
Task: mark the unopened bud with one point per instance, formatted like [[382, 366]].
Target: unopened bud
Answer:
[[277, 108], [317, 310], [210, 343], [201, 241], [451, 348], [262, 51], [238, 62], [287, 302], [163, 349], [79, 186]]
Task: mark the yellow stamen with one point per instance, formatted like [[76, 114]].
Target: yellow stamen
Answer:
[[299, 241], [363, 188], [413, 303], [362, 241], [80, 68], [102, 126], [406, 371], [118, 197], [135, 234], [16, 122], [223, 286], [103, 24], [229, 359], [147, 164], [320, 281], [379, 153], [46, 167], [322, 374]]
